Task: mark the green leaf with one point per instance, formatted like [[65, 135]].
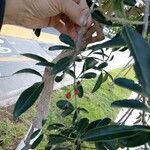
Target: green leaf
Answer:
[[101, 53], [62, 64], [37, 32], [128, 84], [99, 123], [98, 83], [63, 104], [28, 70], [59, 47], [75, 115], [55, 126], [103, 122], [82, 125], [35, 57], [118, 7], [45, 64], [69, 132], [27, 99], [37, 141], [99, 17], [34, 134], [101, 66], [66, 106], [140, 50], [116, 42], [71, 73], [111, 145], [89, 63], [67, 112], [89, 75], [130, 103], [105, 77], [80, 88], [112, 132], [56, 139], [138, 139], [67, 40], [100, 146], [58, 78], [130, 2], [83, 110]]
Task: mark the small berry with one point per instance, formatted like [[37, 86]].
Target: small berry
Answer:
[[76, 92], [68, 95]]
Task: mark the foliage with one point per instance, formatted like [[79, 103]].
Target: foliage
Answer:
[[104, 133]]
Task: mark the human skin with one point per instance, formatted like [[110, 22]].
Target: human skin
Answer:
[[64, 15]]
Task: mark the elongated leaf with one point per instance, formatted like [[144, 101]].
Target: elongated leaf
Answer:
[[68, 133], [71, 73], [83, 110], [89, 63], [64, 104], [59, 47], [98, 83], [112, 132], [137, 140], [99, 17], [67, 112], [59, 78], [100, 146], [111, 145], [101, 53], [128, 84], [101, 66], [118, 8], [103, 122], [116, 42], [35, 57], [105, 77], [67, 40], [89, 75], [62, 64], [37, 32], [56, 139], [130, 2], [82, 125], [130, 103], [75, 115], [140, 50], [55, 126], [27, 99], [46, 64], [35, 134], [81, 90], [37, 141], [28, 70]]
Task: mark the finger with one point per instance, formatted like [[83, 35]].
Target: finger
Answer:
[[85, 11], [60, 26], [54, 20], [73, 10]]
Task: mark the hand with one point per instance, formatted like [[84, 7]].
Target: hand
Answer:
[[64, 15]]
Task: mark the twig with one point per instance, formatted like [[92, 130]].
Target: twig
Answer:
[[146, 15], [121, 20]]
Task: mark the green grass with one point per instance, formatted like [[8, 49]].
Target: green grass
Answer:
[[98, 105]]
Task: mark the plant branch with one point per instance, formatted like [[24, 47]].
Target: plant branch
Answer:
[[145, 20]]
